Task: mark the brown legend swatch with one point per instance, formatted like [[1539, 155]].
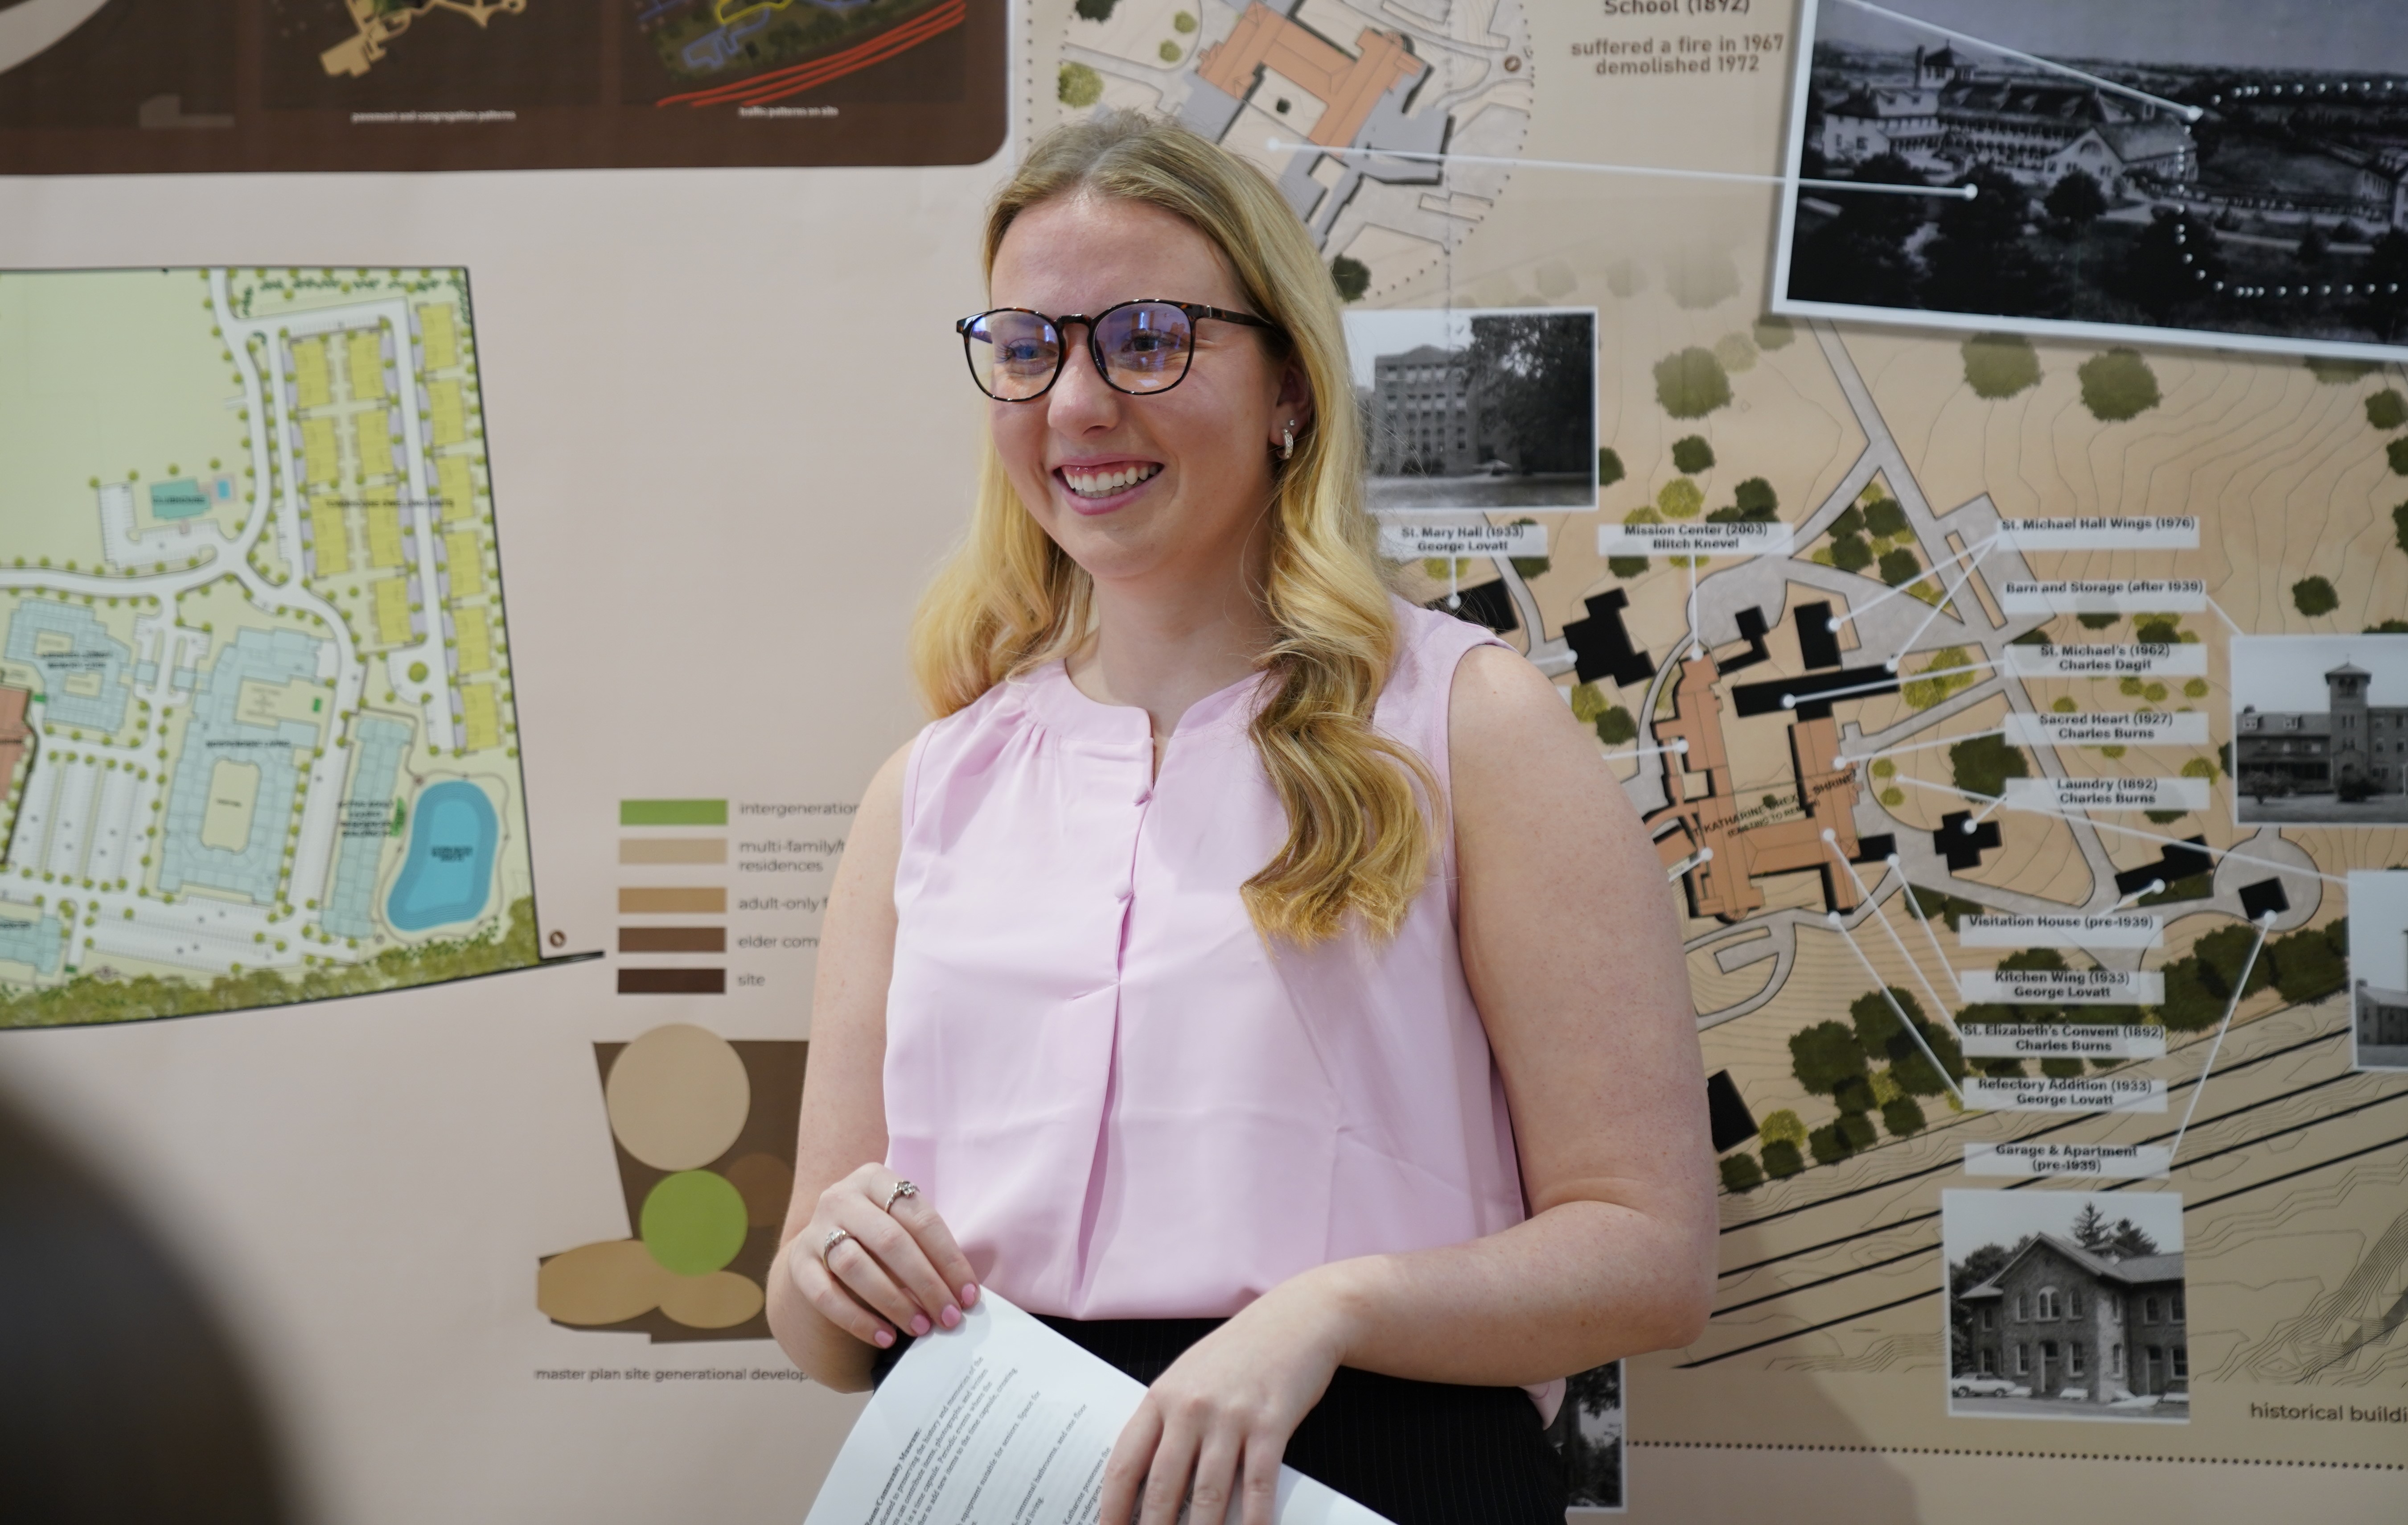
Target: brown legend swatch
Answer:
[[672, 982], [673, 901], [672, 940]]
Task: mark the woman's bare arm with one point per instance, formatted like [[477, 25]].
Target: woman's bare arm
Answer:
[[843, 1131], [1572, 950]]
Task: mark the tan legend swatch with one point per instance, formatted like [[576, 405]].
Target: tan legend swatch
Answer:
[[672, 900], [672, 849]]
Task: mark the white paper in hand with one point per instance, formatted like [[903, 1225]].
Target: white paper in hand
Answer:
[[1004, 1422]]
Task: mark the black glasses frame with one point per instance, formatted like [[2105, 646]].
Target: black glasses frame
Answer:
[[1194, 312]]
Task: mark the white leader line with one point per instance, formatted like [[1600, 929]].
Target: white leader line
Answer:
[[1895, 680], [1697, 647], [1680, 747], [1920, 746], [1832, 842], [2135, 831], [1916, 906], [2265, 925], [2188, 113], [1883, 985], [2137, 896], [1946, 599], [1885, 595], [1958, 192]]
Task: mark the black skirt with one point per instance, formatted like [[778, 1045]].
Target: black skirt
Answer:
[[1421, 1453]]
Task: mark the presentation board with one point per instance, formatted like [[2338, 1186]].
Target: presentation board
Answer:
[[2014, 711]]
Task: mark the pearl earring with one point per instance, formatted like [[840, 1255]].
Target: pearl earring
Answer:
[[1287, 441]]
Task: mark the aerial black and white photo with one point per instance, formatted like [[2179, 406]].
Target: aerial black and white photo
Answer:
[[2320, 731], [2189, 171], [2065, 1306], [1491, 411]]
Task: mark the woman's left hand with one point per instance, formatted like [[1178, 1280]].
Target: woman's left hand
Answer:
[[1216, 1425]]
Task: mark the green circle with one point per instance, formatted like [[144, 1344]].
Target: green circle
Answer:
[[693, 1222], [418, 672]]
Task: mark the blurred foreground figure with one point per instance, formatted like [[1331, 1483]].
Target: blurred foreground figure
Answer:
[[121, 1398]]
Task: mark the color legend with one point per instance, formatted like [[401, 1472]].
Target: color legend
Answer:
[[672, 812], [672, 982], [664, 900], [660, 836], [672, 940]]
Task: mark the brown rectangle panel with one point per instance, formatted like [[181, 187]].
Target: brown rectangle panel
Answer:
[[673, 982], [672, 900], [672, 849], [672, 940]]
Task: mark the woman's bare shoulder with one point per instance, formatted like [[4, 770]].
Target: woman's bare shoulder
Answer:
[[878, 823], [1500, 706]]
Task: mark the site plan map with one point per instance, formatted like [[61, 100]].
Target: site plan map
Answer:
[[1347, 106], [256, 728], [1933, 746]]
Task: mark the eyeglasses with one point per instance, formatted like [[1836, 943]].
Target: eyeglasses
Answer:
[[1141, 347]]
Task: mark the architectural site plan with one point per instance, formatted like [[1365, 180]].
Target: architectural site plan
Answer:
[[257, 738], [1923, 660]]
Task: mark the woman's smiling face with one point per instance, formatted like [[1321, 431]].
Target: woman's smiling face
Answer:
[[1173, 483]]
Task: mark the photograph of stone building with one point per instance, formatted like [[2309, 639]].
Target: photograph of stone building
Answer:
[[2163, 169], [2342, 763], [1489, 411], [2065, 1306], [2378, 969]]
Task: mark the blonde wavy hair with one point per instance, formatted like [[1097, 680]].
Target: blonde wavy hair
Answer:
[[1009, 601]]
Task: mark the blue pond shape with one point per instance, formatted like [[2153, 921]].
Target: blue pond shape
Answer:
[[448, 874]]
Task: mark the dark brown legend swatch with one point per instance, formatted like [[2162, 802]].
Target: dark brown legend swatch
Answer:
[[672, 940], [673, 982]]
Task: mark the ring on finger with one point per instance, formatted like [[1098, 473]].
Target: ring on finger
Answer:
[[897, 1192], [827, 1245]]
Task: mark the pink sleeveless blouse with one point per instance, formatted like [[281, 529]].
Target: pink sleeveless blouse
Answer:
[[1122, 1101]]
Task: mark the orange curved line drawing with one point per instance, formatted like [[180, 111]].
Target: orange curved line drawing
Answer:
[[796, 79], [901, 45]]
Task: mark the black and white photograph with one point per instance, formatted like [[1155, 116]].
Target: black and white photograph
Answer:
[[1490, 410], [1587, 1435], [2320, 731], [2065, 1306], [2378, 969], [2226, 172]]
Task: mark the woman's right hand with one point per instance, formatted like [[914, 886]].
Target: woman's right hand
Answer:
[[895, 1268]]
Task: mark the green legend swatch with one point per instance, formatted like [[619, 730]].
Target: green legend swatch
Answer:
[[672, 812]]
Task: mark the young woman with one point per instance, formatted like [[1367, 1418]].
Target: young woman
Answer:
[[1256, 974]]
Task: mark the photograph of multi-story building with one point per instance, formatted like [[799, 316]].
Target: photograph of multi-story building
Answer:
[[2378, 969], [2152, 170], [2065, 1306], [2344, 762], [1487, 410]]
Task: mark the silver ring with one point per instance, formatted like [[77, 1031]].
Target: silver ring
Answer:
[[827, 1245], [900, 1191]]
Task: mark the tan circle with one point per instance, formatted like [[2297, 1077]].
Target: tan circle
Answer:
[[721, 1299], [607, 1283], [677, 1097]]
